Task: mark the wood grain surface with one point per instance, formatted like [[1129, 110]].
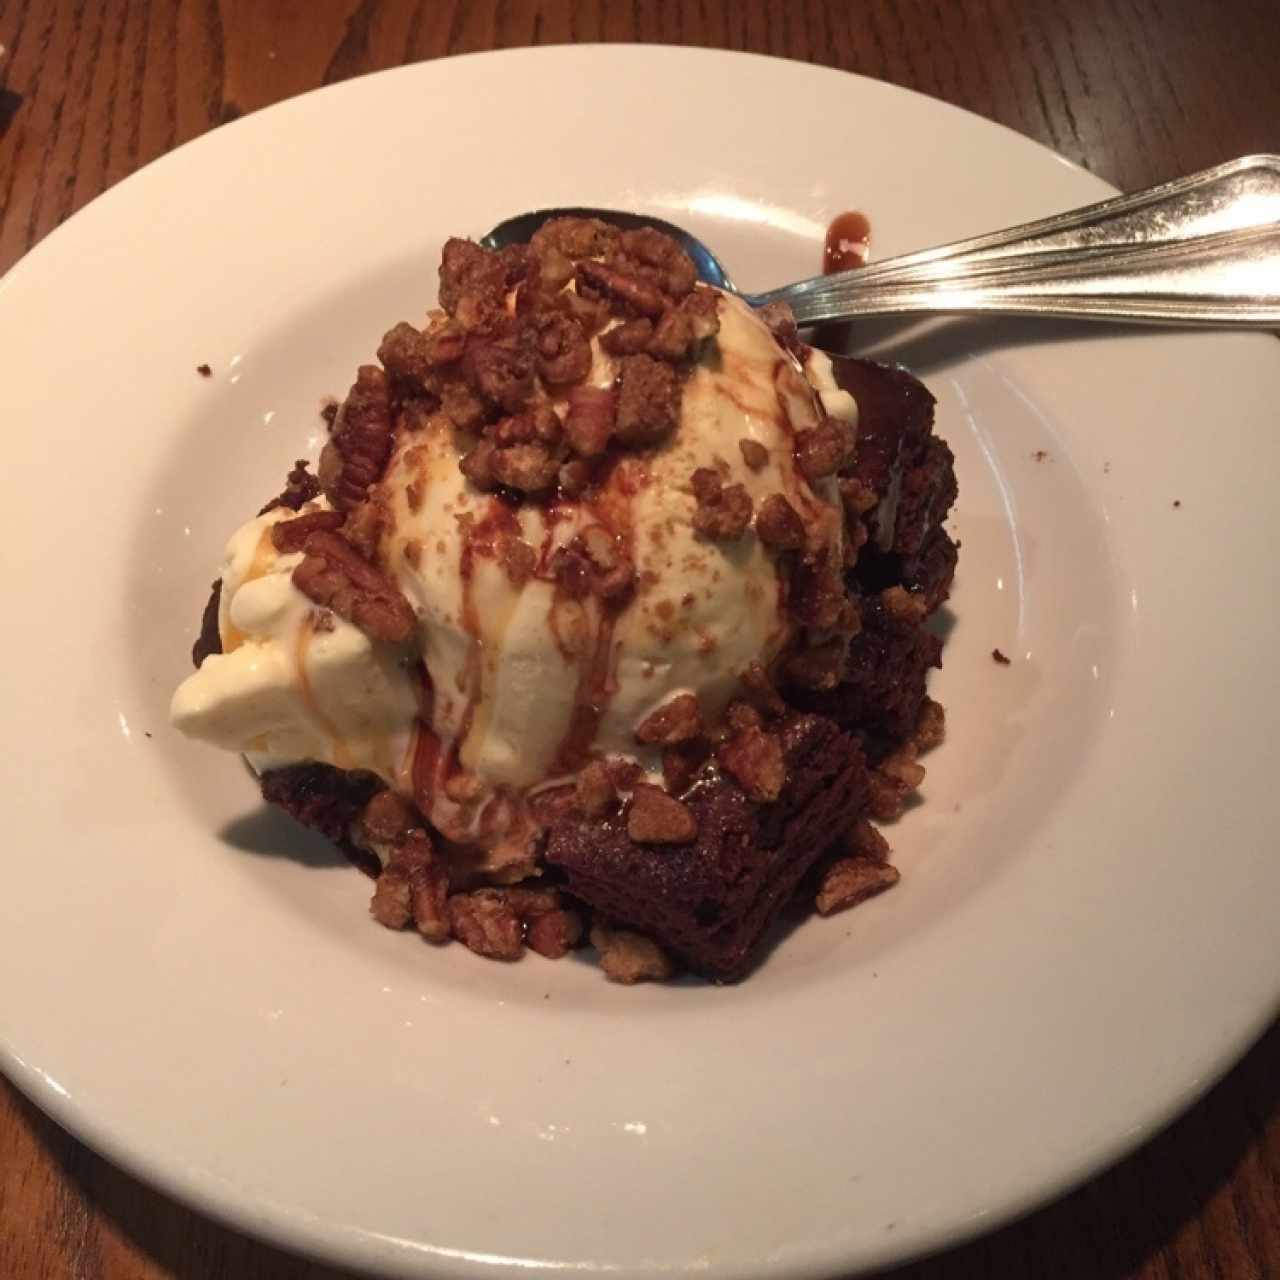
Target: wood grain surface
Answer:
[[1135, 90]]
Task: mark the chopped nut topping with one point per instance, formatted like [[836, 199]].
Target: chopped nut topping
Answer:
[[755, 760], [824, 450], [853, 880], [502, 373], [629, 338], [675, 721], [702, 307], [632, 295], [589, 422], [576, 237], [819, 666], [629, 957], [779, 525], [564, 354], [413, 887], [867, 842], [656, 255], [648, 401], [530, 468], [755, 680], [654, 817], [742, 715], [361, 438], [388, 818], [754, 454], [931, 726], [404, 354], [517, 558], [903, 608], [554, 933], [462, 406], [672, 336], [290, 535], [595, 791], [335, 575], [486, 922], [722, 512], [680, 764]]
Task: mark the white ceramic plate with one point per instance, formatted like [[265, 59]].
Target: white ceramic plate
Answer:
[[1087, 929]]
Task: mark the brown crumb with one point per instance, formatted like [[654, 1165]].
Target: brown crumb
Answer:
[[648, 406], [754, 454], [1040, 455], [594, 790], [779, 525], [1002, 659], [1177, 502], [204, 371], [723, 512]]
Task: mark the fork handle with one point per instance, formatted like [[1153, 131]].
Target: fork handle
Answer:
[[1201, 250]]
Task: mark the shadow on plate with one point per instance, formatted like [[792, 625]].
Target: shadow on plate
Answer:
[[271, 833]]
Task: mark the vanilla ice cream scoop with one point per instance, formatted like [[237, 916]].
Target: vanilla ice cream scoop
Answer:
[[511, 682]]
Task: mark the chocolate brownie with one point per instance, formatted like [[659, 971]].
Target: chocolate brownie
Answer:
[[710, 901], [327, 800]]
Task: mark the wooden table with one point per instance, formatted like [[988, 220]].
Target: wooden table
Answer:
[[1136, 90]]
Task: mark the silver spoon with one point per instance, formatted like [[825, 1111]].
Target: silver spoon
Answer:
[[1202, 250]]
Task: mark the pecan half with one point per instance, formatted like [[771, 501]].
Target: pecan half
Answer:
[[361, 438], [629, 957], [486, 922], [336, 576], [630, 294]]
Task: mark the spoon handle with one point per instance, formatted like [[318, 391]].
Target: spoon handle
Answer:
[[1202, 250]]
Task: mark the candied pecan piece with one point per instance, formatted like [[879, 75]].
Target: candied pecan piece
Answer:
[[896, 778], [477, 465], [392, 901], [675, 721], [672, 336], [502, 373], [564, 354], [755, 760], [362, 437], [723, 512], [628, 338], [819, 597], [404, 354], [594, 790], [781, 322], [858, 497], [463, 263], [629, 293], [866, 842], [931, 725], [742, 715], [462, 406], [904, 609], [819, 666], [530, 468], [554, 933], [388, 817], [653, 817], [754, 454], [629, 957], [540, 425], [590, 418], [487, 924], [702, 307], [755, 680], [575, 237], [779, 525], [680, 764], [853, 880], [825, 449], [445, 343], [591, 313], [572, 569], [615, 572], [367, 523], [336, 576], [670, 267], [290, 535]]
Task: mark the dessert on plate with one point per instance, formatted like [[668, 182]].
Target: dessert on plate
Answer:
[[605, 615]]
